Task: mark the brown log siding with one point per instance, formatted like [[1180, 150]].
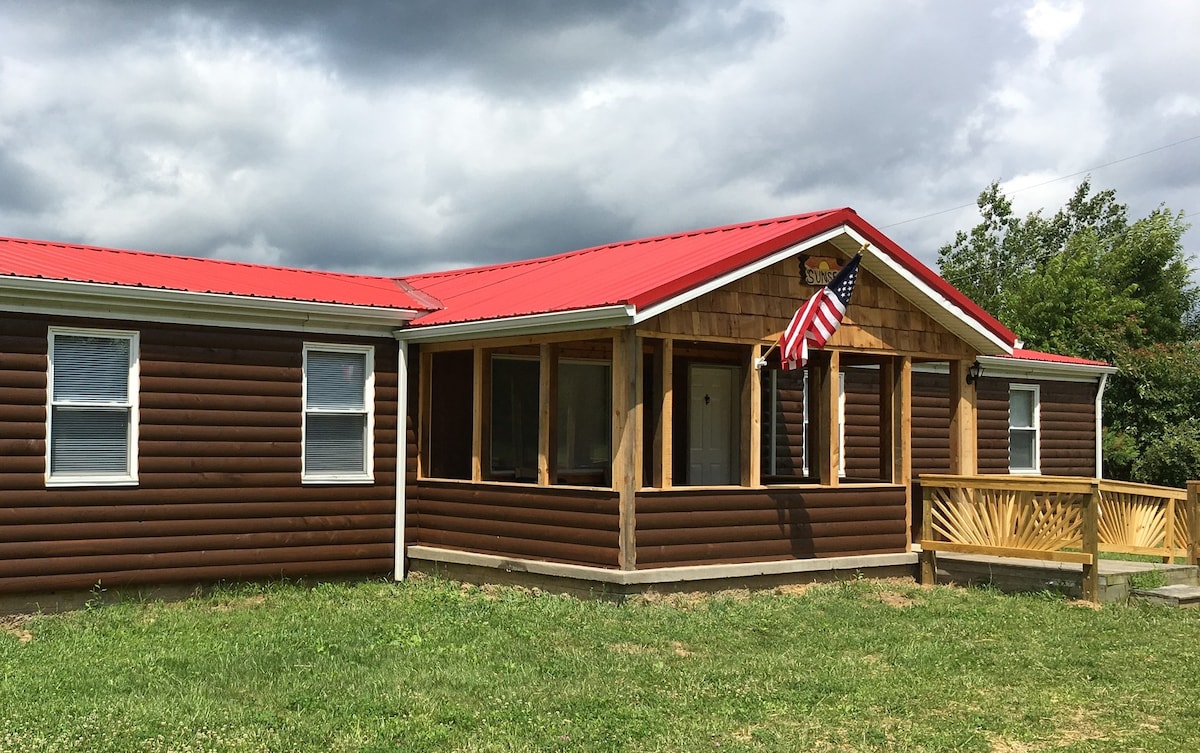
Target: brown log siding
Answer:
[[992, 426], [578, 526], [219, 493], [1068, 429], [930, 423], [862, 432], [703, 526]]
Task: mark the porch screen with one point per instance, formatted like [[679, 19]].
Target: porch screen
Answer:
[[785, 424], [584, 422], [515, 418]]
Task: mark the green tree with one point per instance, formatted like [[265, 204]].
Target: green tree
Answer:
[[1088, 282], [1003, 248]]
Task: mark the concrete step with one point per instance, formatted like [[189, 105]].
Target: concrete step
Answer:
[[1179, 595], [1169, 575]]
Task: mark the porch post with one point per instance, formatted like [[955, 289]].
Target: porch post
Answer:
[[964, 437], [829, 460], [548, 415], [481, 427], [626, 436], [895, 404], [1091, 544], [1193, 522], [664, 361], [752, 421]]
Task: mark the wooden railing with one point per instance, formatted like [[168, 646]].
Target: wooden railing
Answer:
[[1057, 518]]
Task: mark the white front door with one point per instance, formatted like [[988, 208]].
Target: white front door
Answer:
[[712, 424]]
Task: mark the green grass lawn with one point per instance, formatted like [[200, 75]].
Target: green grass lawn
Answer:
[[431, 665]]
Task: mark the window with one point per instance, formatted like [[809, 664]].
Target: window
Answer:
[[92, 414], [339, 419], [1023, 414]]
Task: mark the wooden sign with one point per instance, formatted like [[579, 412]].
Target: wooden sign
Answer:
[[819, 270]]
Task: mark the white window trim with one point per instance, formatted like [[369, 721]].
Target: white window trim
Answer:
[[131, 403], [369, 407], [1036, 469]]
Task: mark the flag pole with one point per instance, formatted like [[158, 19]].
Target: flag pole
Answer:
[[761, 361]]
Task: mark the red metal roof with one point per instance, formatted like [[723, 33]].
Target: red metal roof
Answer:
[[1037, 355], [649, 271], [640, 273], [76, 263]]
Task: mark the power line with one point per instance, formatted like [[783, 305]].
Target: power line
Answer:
[[1054, 180]]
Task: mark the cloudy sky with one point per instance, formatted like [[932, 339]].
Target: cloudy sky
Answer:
[[397, 137]]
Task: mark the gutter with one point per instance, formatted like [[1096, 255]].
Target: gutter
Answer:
[[127, 302], [1001, 366]]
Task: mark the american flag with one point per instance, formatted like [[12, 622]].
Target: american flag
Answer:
[[819, 318]]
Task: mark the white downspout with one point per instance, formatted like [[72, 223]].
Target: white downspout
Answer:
[[401, 453], [1100, 426]]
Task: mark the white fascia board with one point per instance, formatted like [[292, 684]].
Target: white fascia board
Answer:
[[730, 277], [128, 303], [951, 308], [1021, 368], [531, 324]]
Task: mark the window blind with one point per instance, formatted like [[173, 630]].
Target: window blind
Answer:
[[91, 408], [336, 413]]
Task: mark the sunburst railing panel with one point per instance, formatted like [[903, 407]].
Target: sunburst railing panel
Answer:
[[1036, 517], [1141, 519]]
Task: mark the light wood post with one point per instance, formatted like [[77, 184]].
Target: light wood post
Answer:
[[829, 459], [1091, 545], [887, 419], [751, 444], [1170, 535], [1193, 522], [964, 437], [481, 402], [928, 556], [627, 378], [548, 415], [664, 361], [895, 426]]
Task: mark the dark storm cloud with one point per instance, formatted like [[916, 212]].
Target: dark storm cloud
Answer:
[[518, 46], [515, 47]]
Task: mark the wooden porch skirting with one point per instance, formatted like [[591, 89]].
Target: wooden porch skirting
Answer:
[[608, 583], [678, 527]]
